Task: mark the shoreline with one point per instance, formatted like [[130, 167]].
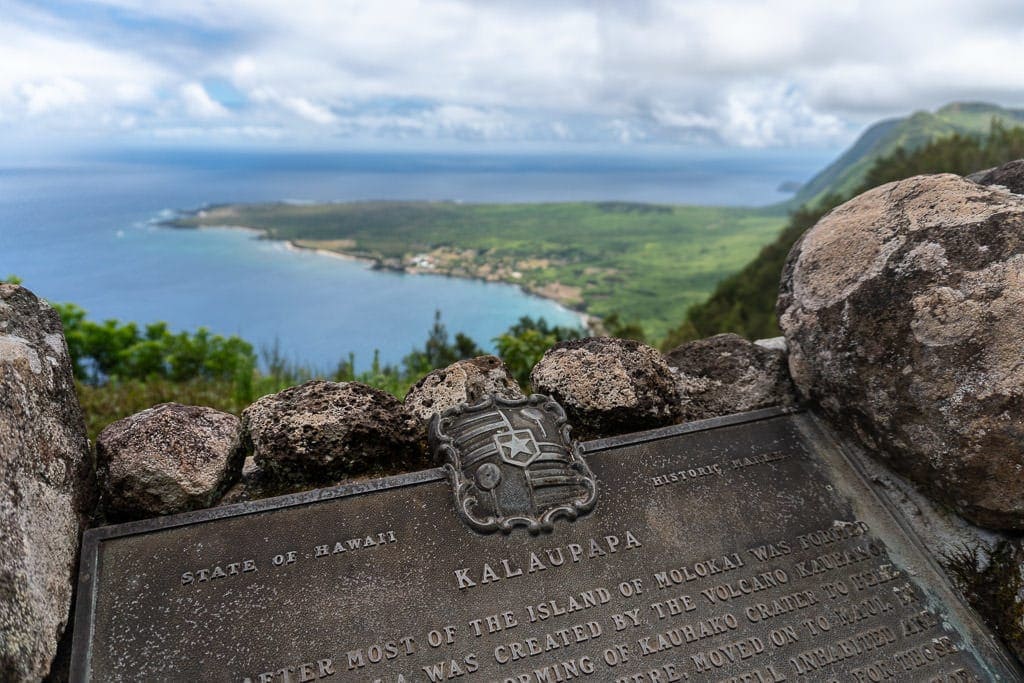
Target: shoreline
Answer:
[[586, 320], [589, 322], [292, 245]]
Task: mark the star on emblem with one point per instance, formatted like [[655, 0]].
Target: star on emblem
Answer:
[[517, 447]]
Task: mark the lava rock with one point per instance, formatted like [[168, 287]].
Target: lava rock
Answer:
[[257, 483], [167, 459], [608, 386], [1009, 175], [322, 432], [47, 486], [727, 374], [466, 381], [903, 311]]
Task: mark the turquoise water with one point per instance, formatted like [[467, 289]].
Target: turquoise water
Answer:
[[86, 233]]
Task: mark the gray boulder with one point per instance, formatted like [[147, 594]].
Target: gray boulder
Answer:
[[608, 386], [47, 484], [321, 432], [903, 311], [727, 374], [1009, 175], [466, 381], [167, 459]]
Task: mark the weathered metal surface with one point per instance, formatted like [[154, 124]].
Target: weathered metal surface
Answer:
[[512, 463], [738, 549]]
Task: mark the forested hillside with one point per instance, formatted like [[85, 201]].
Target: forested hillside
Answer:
[[851, 169], [744, 303]]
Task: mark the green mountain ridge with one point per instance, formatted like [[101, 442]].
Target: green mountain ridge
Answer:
[[744, 302], [910, 133]]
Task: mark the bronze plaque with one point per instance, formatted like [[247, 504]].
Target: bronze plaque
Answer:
[[745, 549]]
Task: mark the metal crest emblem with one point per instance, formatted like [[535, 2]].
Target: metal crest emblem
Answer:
[[512, 463]]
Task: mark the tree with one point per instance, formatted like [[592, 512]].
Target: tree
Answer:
[[438, 352], [119, 351], [522, 351], [523, 344]]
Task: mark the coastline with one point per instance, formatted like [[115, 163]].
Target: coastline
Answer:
[[293, 245], [587, 321]]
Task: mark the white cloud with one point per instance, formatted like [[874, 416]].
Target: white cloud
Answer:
[[774, 117], [199, 104], [734, 72], [263, 133], [300, 106], [48, 96], [133, 93]]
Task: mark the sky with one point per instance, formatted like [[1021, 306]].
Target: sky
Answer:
[[733, 74]]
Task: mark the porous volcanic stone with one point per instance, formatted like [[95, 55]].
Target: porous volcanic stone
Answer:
[[608, 386], [46, 484], [1009, 175], [321, 432], [256, 483], [727, 374], [169, 458], [903, 310], [466, 381]]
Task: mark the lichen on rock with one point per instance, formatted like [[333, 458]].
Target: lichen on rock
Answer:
[[166, 459], [1010, 175], [47, 486], [727, 374], [321, 432], [608, 386], [903, 310], [466, 381]]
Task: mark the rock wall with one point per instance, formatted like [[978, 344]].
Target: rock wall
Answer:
[[608, 386]]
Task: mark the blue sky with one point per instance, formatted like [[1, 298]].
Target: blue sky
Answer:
[[559, 73]]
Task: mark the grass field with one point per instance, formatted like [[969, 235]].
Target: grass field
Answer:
[[648, 263]]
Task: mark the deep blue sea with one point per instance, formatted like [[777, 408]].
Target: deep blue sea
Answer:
[[85, 231]]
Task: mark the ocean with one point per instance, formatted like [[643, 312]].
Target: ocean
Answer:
[[87, 231]]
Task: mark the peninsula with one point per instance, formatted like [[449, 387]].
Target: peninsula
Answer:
[[646, 263]]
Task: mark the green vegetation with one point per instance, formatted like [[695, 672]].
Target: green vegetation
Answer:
[[990, 578], [744, 303], [522, 345], [640, 267], [850, 171], [114, 350], [121, 369], [646, 263]]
